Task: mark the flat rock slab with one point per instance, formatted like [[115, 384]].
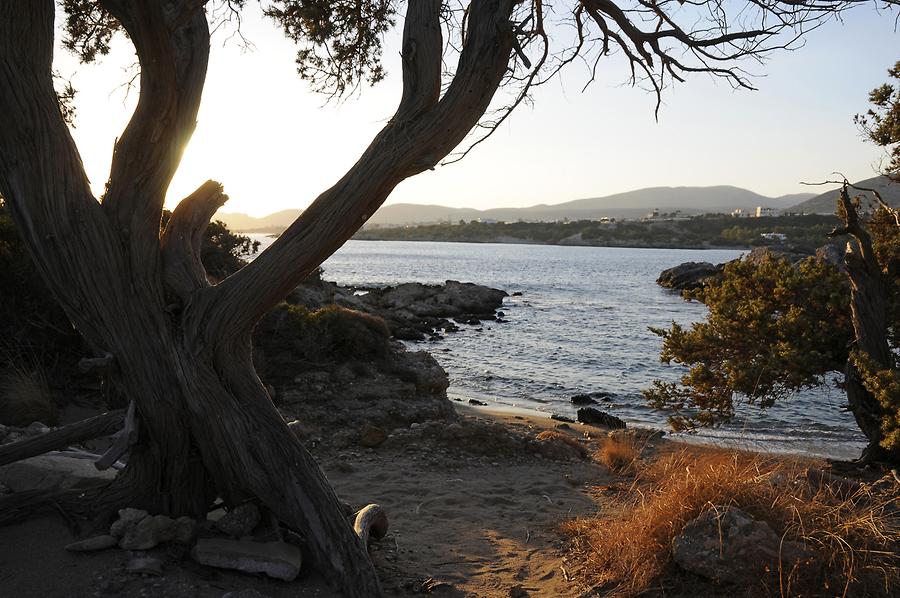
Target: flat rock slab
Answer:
[[49, 472], [275, 559], [91, 544]]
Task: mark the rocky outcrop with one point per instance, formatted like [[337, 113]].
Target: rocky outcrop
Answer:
[[589, 415], [726, 545], [412, 311], [687, 276]]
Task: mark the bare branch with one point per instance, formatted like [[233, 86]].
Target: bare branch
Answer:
[[95, 427], [183, 271]]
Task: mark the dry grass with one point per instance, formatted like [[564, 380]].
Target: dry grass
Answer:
[[619, 454], [627, 550], [25, 397]]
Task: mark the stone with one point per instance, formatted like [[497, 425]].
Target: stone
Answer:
[[144, 565], [148, 533], [562, 418], [589, 415], [184, 530], [52, 472], [582, 400], [371, 436], [127, 518], [239, 521], [728, 546], [477, 403], [689, 275], [276, 559], [518, 591], [92, 544]]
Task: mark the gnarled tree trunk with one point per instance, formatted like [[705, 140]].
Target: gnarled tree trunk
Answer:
[[868, 304], [182, 347]]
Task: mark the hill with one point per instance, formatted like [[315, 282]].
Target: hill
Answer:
[[825, 203], [631, 204]]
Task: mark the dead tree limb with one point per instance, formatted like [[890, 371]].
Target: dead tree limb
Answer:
[[101, 425], [371, 521]]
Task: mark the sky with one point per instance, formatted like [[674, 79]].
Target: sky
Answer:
[[276, 145]]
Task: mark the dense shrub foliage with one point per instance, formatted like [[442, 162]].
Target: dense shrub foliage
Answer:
[[773, 328]]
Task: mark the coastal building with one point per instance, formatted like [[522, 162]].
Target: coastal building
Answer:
[[774, 236], [763, 211]]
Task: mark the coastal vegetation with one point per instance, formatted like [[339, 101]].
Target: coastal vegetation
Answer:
[[802, 233]]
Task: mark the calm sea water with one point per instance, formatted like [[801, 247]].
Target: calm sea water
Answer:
[[581, 325]]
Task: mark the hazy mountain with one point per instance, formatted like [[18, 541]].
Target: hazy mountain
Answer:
[[826, 203], [631, 204]]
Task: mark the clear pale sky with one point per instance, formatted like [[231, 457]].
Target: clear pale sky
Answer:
[[275, 145]]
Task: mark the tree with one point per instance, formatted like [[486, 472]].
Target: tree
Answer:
[[139, 292], [774, 328]]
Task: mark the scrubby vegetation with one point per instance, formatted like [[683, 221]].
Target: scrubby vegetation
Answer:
[[773, 328], [713, 230], [627, 549]]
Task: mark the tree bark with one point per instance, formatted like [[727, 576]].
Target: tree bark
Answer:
[[868, 305]]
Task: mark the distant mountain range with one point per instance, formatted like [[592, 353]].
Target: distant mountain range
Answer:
[[631, 204], [826, 203]]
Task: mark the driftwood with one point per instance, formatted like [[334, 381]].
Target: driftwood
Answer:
[[101, 425], [123, 442], [371, 521]]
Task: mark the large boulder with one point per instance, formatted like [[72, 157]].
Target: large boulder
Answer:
[[728, 546], [687, 276]]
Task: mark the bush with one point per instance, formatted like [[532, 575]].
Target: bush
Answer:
[[292, 334]]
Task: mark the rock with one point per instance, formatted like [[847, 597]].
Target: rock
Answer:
[[517, 591], [477, 403], [275, 559], [148, 533], [726, 545], [562, 418], [689, 275], [183, 530], [144, 565], [582, 400], [49, 472], [128, 518], [589, 415], [91, 544], [248, 593], [371, 436], [239, 521], [558, 446]]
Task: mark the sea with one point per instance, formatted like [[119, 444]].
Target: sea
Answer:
[[582, 324]]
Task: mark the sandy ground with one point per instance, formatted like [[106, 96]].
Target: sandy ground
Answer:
[[463, 523]]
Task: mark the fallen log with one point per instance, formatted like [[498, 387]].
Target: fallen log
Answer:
[[371, 521], [94, 427]]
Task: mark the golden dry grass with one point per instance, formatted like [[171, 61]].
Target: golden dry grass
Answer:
[[25, 397], [619, 453], [561, 437], [627, 549]]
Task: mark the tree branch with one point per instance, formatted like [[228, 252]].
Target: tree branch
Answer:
[[172, 44], [183, 271], [101, 425], [419, 135]]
